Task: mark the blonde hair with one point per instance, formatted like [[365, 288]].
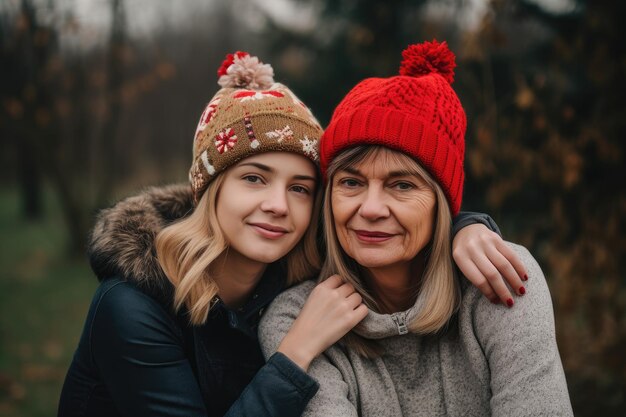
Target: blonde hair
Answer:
[[438, 295], [187, 248]]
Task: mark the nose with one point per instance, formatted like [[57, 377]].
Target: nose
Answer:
[[373, 206], [276, 202]]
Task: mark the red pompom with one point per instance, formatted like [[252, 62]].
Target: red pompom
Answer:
[[228, 61], [427, 58]]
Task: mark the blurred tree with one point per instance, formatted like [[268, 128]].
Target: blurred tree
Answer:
[[26, 105], [546, 156], [62, 111], [118, 54]]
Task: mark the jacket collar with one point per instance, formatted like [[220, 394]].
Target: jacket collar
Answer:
[[122, 241], [246, 318]]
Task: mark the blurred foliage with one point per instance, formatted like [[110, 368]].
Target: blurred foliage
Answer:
[[43, 301], [542, 88]]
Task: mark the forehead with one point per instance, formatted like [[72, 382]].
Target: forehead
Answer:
[[281, 162], [382, 163]]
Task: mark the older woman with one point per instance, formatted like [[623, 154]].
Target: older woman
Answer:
[[431, 345]]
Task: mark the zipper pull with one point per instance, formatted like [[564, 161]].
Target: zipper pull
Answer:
[[400, 320]]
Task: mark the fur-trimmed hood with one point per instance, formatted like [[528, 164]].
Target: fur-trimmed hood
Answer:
[[122, 241]]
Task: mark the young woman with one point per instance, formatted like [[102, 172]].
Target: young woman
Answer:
[[431, 344], [186, 272]]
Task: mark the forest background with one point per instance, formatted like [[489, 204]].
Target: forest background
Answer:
[[99, 98]]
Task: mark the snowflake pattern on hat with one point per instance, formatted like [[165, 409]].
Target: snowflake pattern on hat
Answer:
[[247, 95], [280, 134], [309, 147], [207, 115], [225, 140]]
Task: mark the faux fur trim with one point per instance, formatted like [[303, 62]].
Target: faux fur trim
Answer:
[[122, 241]]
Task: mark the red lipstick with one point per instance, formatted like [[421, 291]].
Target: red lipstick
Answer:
[[369, 236]]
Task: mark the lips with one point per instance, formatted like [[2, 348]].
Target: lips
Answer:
[[373, 236], [269, 231]]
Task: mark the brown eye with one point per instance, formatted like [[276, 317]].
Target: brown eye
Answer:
[[254, 179], [300, 189]]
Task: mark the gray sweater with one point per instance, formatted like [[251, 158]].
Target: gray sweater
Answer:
[[492, 360]]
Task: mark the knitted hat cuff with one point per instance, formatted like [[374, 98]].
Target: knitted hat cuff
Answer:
[[401, 132]]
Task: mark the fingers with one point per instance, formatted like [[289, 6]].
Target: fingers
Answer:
[[354, 300], [332, 281], [360, 313], [490, 272], [506, 270], [513, 259], [332, 309], [473, 274], [336, 284], [489, 263]]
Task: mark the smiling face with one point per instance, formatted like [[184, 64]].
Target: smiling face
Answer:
[[265, 204], [383, 210]]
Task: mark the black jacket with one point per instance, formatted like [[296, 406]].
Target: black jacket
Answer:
[[136, 357]]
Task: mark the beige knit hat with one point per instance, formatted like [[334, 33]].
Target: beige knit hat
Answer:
[[251, 114]]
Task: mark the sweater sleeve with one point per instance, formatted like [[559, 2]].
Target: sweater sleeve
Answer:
[[527, 377], [466, 218], [139, 353], [335, 398]]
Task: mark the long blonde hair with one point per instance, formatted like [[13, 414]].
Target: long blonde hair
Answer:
[[438, 295], [187, 248]]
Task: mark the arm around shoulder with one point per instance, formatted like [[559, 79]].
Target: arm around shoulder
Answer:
[[526, 374]]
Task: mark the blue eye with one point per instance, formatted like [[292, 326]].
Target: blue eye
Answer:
[[349, 182], [403, 186]]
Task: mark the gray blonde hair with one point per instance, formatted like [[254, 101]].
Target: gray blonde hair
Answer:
[[187, 248], [438, 295]]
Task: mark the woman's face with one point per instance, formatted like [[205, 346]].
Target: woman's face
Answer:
[[265, 204], [383, 213]]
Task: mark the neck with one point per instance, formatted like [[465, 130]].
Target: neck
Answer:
[[236, 277], [395, 287]]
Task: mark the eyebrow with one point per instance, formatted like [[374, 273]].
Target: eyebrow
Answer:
[[271, 170], [392, 174]]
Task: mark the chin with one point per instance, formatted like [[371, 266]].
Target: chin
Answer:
[[267, 255], [373, 262]]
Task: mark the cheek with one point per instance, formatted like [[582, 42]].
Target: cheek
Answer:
[[339, 217], [301, 213], [420, 219], [340, 209], [340, 220]]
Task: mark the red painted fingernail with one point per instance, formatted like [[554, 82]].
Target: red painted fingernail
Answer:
[[522, 290], [509, 302], [525, 277]]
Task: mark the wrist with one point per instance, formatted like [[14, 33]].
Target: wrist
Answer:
[[296, 353]]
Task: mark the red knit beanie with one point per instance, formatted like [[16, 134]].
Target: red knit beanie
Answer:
[[416, 112]]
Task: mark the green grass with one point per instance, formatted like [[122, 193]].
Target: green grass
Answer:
[[44, 296]]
